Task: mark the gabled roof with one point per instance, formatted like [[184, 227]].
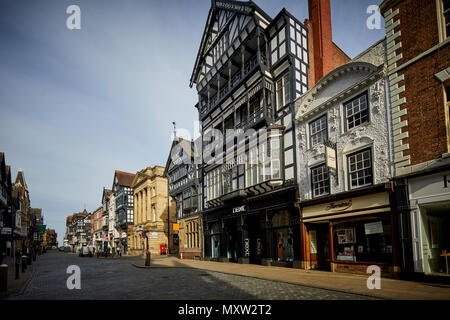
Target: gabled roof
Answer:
[[188, 150], [242, 7], [124, 178], [21, 179]]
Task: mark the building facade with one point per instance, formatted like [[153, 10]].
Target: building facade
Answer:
[[6, 216], [124, 207], [151, 213], [345, 156], [105, 241], [418, 65], [249, 70], [185, 194], [21, 198], [96, 228]]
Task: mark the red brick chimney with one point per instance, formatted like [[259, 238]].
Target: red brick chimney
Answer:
[[323, 47]]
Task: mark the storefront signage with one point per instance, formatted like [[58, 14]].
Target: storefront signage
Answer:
[[176, 227], [246, 247], [346, 235], [154, 235], [339, 206], [239, 209], [6, 230], [373, 227]]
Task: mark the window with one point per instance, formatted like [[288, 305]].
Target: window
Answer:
[[444, 19], [356, 111], [318, 131], [283, 91], [320, 181], [278, 46], [360, 169]]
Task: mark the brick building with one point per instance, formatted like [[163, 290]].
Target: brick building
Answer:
[[418, 52]]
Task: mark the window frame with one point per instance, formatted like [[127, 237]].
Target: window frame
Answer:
[[370, 149], [319, 132], [283, 81], [324, 165], [351, 100]]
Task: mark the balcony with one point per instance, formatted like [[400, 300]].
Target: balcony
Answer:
[[235, 81]]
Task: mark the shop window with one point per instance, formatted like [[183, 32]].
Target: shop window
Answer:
[[356, 111], [360, 169], [283, 237], [367, 240], [320, 180], [318, 131]]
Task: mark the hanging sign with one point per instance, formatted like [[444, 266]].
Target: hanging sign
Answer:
[[330, 154]]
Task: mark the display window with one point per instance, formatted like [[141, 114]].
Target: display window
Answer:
[[364, 240], [283, 237]]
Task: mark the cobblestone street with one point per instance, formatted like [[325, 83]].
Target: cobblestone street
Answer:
[[118, 279]]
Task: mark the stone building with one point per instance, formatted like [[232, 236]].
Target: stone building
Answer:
[[151, 219], [345, 165], [21, 198], [96, 227], [418, 67], [122, 214]]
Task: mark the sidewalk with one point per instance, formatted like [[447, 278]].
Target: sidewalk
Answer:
[[16, 286], [352, 283]]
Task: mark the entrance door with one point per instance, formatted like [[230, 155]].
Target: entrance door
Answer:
[[319, 243], [215, 245]]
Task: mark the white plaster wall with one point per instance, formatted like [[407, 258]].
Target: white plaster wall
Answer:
[[374, 134]]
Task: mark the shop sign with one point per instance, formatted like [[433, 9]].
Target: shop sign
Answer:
[[176, 227], [373, 227], [154, 235], [330, 155], [239, 209], [6, 230], [231, 5], [339, 206], [246, 247]]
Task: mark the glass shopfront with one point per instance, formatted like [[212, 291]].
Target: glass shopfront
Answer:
[[364, 239], [283, 236]]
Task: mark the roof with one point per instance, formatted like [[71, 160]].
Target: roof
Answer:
[[21, 179], [250, 7], [124, 178]]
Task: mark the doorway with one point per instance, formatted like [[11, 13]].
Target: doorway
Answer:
[[319, 246]]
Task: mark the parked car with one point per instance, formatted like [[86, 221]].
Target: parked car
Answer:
[[87, 251], [67, 249]]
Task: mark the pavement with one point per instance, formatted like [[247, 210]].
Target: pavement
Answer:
[[343, 282], [16, 286], [117, 278]]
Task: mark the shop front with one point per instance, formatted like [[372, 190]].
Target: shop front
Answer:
[[350, 232], [430, 215], [260, 230]]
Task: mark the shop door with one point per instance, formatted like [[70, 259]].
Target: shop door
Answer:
[[319, 237], [215, 246]]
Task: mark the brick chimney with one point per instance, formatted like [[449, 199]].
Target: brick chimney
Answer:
[[323, 48]]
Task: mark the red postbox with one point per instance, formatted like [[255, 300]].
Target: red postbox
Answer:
[[163, 249]]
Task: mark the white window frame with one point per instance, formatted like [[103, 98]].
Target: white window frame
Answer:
[[348, 173], [283, 79]]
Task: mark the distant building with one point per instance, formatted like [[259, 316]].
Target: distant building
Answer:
[[124, 207], [185, 195], [151, 220]]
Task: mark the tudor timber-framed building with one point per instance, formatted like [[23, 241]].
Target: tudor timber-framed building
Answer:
[[185, 193], [249, 70]]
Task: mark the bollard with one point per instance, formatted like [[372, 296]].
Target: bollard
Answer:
[[3, 277], [147, 258], [24, 263]]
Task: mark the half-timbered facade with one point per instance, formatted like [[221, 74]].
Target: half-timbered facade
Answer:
[[249, 70], [184, 190], [124, 207]]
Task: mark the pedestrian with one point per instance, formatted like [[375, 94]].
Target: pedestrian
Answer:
[[18, 259]]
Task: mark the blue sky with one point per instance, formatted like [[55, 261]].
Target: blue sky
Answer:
[[75, 105]]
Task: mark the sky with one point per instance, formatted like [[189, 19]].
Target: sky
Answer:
[[75, 105]]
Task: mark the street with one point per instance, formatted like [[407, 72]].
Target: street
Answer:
[[118, 279]]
